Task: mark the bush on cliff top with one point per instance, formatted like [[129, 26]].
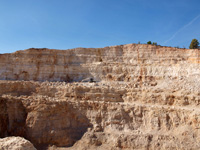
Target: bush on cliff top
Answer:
[[149, 42], [154, 43], [194, 44]]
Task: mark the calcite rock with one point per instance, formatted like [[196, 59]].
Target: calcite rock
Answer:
[[15, 143]]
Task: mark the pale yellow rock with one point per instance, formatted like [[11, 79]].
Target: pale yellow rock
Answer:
[[15, 143]]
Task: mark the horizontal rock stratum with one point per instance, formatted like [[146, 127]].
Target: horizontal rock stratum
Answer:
[[133, 96], [121, 63]]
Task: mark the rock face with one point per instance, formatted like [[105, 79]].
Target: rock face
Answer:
[[119, 63], [15, 143], [121, 97]]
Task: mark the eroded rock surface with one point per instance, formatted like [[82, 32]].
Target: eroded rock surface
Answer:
[[15, 143], [121, 97]]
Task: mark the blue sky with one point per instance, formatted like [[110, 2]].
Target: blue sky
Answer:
[[64, 24]]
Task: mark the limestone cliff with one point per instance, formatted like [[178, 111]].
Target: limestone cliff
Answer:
[[118, 63], [120, 97]]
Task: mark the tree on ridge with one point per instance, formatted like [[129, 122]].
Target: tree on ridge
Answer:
[[194, 44]]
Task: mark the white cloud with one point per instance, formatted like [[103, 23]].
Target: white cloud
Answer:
[[173, 36]]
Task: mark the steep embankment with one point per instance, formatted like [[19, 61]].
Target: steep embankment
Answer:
[[146, 97], [116, 62]]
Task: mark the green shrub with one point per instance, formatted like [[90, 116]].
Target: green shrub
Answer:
[[149, 42], [194, 44], [155, 43]]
